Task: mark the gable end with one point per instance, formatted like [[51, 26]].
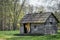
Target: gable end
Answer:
[[54, 17]]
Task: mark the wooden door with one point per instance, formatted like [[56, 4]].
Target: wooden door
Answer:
[[27, 28]]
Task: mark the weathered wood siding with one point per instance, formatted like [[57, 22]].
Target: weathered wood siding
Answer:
[[45, 28], [21, 29], [37, 28], [51, 25]]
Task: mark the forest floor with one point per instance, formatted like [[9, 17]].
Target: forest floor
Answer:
[[9, 35]]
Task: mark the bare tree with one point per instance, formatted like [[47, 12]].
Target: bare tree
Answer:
[[17, 13]]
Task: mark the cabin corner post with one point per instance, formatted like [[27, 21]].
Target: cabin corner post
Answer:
[[21, 29], [56, 28]]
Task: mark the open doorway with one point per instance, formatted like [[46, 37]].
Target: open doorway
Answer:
[[25, 28]]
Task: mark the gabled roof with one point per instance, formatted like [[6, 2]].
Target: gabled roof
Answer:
[[36, 17]]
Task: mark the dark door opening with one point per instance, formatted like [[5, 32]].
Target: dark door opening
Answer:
[[25, 28]]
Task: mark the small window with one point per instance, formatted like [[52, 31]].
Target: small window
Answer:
[[50, 22], [34, 26]]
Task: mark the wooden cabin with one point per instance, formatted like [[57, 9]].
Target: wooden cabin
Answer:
[[39, 23]]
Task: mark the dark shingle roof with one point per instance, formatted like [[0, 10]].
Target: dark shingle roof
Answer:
[[36, 17]]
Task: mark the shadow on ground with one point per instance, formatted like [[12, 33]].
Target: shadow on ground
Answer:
[[28, 34], [58, 34]]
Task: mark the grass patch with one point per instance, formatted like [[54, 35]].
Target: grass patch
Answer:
[[36, 38], [9, 35]]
